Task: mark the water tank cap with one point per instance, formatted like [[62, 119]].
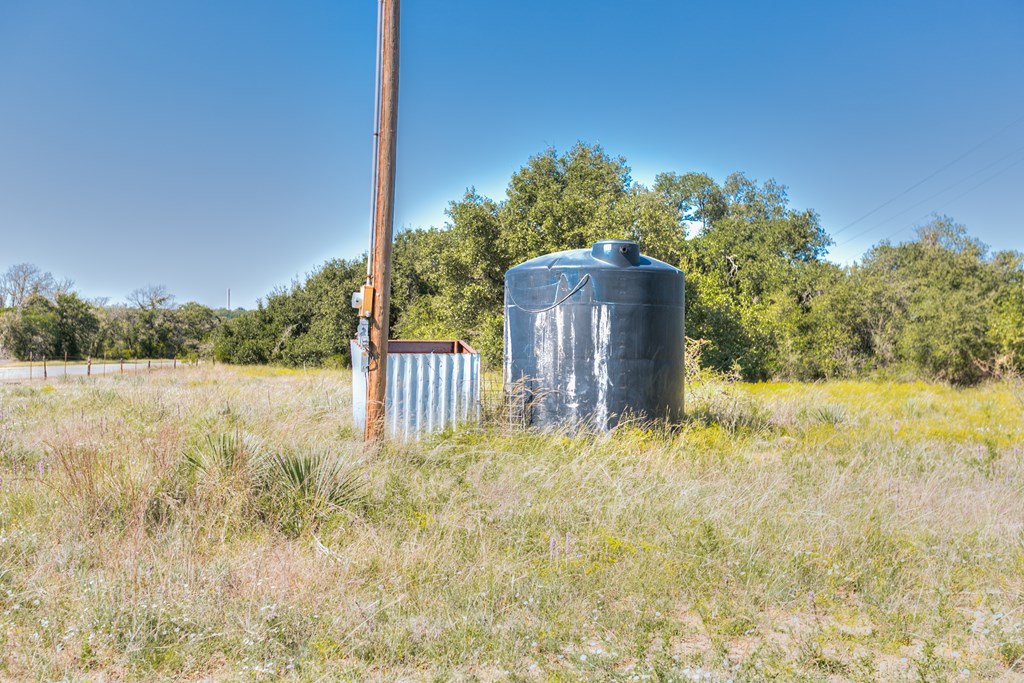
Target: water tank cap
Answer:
[[617, 252]]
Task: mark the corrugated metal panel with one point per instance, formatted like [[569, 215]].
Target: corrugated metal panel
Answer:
[[426, 392]]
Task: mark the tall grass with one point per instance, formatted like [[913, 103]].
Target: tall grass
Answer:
[[226, 524]]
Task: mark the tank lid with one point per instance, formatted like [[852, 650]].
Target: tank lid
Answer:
[[617, 252], [604, 255]]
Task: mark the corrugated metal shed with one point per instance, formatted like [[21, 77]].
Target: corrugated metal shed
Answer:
[[432, 385]]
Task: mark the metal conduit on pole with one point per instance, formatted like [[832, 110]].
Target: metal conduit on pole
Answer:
[[383, 221]]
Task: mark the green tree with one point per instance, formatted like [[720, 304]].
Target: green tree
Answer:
[[75, 327], [309, 323], [938, 305], [554, 202], [192, 323], [755, 268], [467, 291], [562, 201], [1006, 321], [696, 197], [31, 330]]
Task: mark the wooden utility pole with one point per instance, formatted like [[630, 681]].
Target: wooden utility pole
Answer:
[[383, 220]]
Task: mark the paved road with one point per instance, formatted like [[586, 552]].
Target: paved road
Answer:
[[57, 369]]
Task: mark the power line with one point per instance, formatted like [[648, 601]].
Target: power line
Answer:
[[983, 182], [951, 201], [942, 191], [931, 175], [374, 171]]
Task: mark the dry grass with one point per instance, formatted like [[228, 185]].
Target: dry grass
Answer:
[[225, 524]]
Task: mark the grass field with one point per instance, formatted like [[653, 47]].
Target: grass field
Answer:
[[226, 524]]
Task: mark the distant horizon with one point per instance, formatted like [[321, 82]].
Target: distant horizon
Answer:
[[178, 301]]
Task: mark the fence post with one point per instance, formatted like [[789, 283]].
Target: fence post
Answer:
[[88, 367], [65, 363], [44, 366], [122, 366], [30, 367]]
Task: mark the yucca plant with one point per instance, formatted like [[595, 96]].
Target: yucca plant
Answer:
[[225, 472], [227, 455], [311, 486], [830, 413]]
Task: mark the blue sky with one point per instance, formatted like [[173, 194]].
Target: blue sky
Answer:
[[206, 145]]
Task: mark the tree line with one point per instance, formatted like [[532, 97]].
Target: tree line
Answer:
[[760, 290], [42, 317]]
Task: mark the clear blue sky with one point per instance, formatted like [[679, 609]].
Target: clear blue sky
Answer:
[[203, 145]]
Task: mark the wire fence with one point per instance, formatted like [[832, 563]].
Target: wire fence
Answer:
[[45, 369]]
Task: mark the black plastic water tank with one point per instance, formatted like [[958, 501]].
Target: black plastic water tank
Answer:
[[593, 335]]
